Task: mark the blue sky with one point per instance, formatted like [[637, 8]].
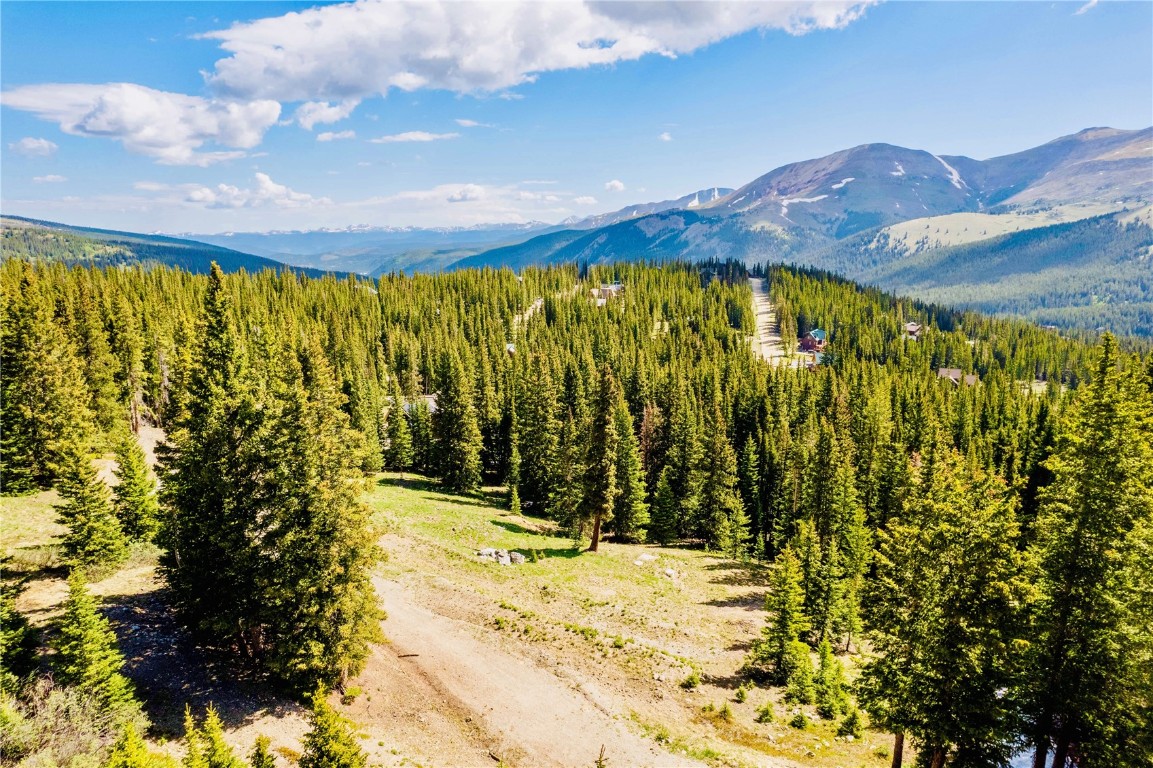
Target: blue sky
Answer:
[[210, 117]]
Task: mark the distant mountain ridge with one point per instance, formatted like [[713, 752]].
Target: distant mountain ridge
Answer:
[[52, 241]]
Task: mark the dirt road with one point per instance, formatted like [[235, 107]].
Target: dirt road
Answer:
[[767, 341], [520, 712]]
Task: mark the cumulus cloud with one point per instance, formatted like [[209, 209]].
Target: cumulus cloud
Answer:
[[616, 185], [467, 194], [413, 136], [314, 113], [266, 193], [352, 50], [51, 178], [337, 136], [585, 200], [30, 147], [169, 127], [666, 136]]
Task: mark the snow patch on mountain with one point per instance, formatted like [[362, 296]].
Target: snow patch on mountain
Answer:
[[954, 177], [790, 200], [900, 169], [843, 182]]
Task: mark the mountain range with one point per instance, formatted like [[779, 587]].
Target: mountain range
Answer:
[[1003, 234]]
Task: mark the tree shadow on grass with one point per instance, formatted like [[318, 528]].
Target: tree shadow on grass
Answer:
[[170, 671], [437, 491], [740, 574], [750, 602], [565, 552]]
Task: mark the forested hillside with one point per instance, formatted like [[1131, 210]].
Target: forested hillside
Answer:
[[979, 553], [22, 238]]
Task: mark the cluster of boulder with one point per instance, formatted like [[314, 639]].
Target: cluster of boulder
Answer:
[[501, 556]]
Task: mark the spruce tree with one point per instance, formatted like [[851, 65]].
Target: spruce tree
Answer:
[[631, 512], [214, 465], [130, 751], [1088, 691], [315, 608], [331, 743], [44, 413], [261, 757], [832, 699], [786, 620], [423, 444], [87, 656], [399, 456], [455, 428], [94, 540], [663, 524], [217, 752], [135, 496], [723, 523], [601, 487], [18, 640], [945, 615], [538, 435]]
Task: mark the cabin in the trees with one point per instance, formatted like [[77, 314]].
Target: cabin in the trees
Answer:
[[913, 331], [605, 292], [954, 375], [814, 341]]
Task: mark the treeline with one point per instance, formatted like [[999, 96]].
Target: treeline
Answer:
[[640, 414]]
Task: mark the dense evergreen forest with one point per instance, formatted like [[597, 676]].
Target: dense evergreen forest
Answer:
[[986, 548]]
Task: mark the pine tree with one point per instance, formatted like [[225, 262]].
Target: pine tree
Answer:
[[94, 540], [1089, 688], [455, 428], [87, 656], [631, 513], [512, 478], [399, 456], [194, 742], [786, 620], [135, 496], [331, 742], [567, 495], [600, 482]]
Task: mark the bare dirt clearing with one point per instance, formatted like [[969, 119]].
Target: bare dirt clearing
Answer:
[[531, 665]]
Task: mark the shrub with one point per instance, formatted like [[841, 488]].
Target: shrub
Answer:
[[692, 681], [799, 721], [765, 713]]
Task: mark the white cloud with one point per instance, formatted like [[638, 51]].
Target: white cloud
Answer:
[[356, 49], [616, 185], [266, 193], [51, 178], [1086, 7], [539, 181], [540, 197], [413, 136], [314, 113], [585, 200], [30, 147], [467, 194], [337, 136], [472, 124], [169, 127], [666, 136]]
